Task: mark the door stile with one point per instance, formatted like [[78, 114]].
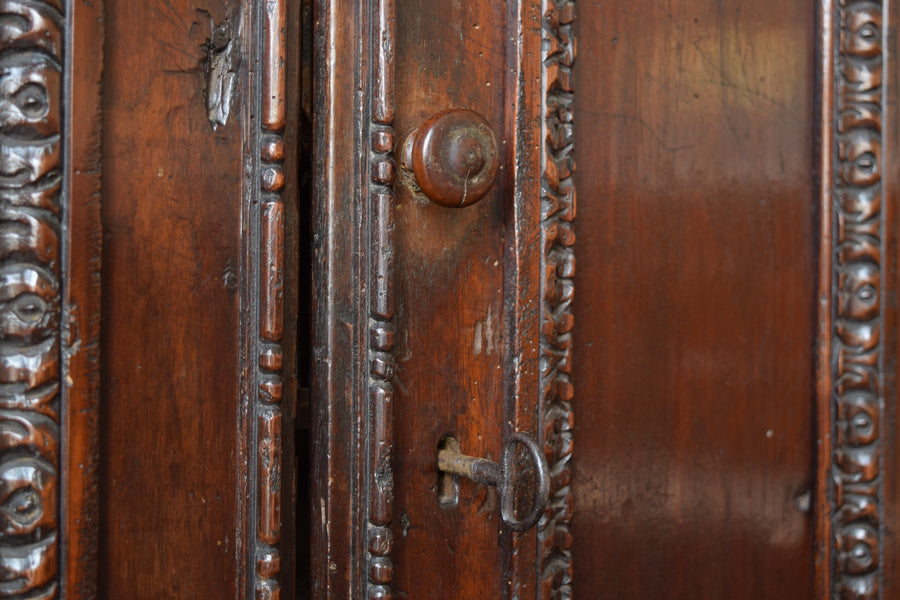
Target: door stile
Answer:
[[523, 262], [851, 380], [353, 298], [339, 297], [826, 56], [80, 310]]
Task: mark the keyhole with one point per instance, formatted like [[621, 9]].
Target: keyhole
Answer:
[[448, 483]]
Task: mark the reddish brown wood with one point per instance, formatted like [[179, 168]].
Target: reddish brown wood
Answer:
[[269, 445], [890, 559], [853, 481], [336, 569], [82, 301], [695, 307], [451, 342], [452, 157], [34, 203], [822, 556], [730, 353], [557, 322], [171, 214], [523, 254]]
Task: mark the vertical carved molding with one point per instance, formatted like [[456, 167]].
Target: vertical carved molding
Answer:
[[268, 409], [558, 269], [382, 173], [31, 207], [857, 402]]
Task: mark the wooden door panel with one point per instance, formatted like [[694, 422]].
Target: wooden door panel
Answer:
[[694, 350], [172, 247], [197, 485], [713, 386], [449, 282], [427, 319]]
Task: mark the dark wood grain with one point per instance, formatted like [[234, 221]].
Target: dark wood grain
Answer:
[[731, 352], [523, 129], [465, 360], [695, 309], [336, 569], [271, 279], [379, 404], [81, 302], [450, 313], [172, 251]]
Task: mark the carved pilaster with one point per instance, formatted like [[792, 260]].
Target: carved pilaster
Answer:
[[31, 207], [857, 407], [557, 271]]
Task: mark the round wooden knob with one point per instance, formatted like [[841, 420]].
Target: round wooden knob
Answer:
[[453, 157]]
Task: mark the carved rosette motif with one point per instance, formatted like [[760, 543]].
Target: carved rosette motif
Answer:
[[557, 269], [268, 409], [31, 203], [857, 394], [382, 173]]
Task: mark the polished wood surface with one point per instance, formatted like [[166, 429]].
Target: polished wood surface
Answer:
[[82, 426], [200, 299], [171, 322], [49, 290], [449, 273], [695, 310]]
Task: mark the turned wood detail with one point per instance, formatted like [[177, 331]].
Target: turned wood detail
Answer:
[[557, 272], [268, 406], [31, 207], [857, 250], [382, 173]]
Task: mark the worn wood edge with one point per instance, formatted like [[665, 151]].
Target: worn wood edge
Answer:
[[891, 160], [339, 305], [520, 179], [380, 200], [82, 245], [824, 168], [558, 206], [852, 479]]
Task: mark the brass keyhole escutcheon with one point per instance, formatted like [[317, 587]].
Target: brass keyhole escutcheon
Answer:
[[453, 157]]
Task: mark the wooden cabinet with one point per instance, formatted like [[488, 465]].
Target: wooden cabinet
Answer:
[[239, 322]]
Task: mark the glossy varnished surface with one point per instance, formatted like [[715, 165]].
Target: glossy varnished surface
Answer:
[[172, 239], [695, 309], [449, 275]]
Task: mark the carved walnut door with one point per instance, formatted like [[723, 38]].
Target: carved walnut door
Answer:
[[712, 386], [582, 299]]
